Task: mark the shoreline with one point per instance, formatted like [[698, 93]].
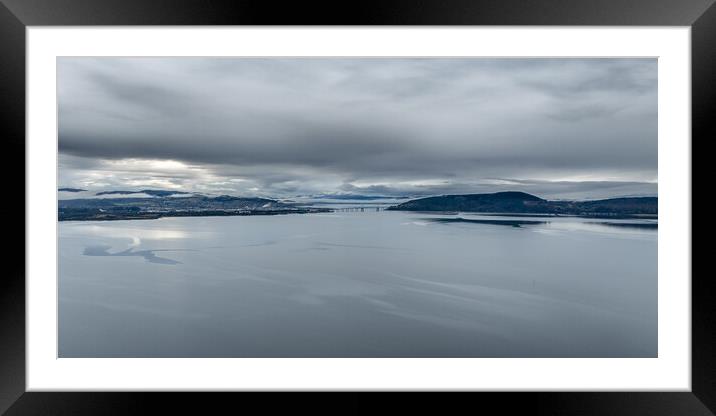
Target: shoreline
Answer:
[[158, 215]]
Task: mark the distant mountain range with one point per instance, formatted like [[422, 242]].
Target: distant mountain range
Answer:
[[151, 192], [149, 203], [354, 197], [524, 203], [71, 190]]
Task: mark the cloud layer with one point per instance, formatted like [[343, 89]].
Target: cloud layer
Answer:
[[419, 126]]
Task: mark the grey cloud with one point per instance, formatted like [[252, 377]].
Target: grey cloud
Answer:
[[297, 125]]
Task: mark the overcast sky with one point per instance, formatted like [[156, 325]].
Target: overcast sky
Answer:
[[282, 127]]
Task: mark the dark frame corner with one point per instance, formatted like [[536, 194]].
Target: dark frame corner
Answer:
[[15, 15]]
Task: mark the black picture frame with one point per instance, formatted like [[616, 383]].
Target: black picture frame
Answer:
[[15, 15]]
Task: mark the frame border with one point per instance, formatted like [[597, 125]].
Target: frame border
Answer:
[[15, 15]]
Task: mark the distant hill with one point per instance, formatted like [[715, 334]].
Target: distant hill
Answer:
[[164, 203], [498, 202], [151, 192], [72, 190], [521, 202], [354, 197]]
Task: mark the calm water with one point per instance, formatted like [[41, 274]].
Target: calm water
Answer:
[[352, 284]]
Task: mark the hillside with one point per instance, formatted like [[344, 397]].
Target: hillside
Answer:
[[521, 202]]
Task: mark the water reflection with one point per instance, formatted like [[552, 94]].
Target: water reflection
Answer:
[[130, 230], [148, 255], [635, 225], [380, 284], [509, 223]]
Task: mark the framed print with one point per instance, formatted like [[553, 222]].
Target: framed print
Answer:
[[452, 198]]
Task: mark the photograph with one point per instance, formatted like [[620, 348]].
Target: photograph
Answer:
[[357, 207]]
